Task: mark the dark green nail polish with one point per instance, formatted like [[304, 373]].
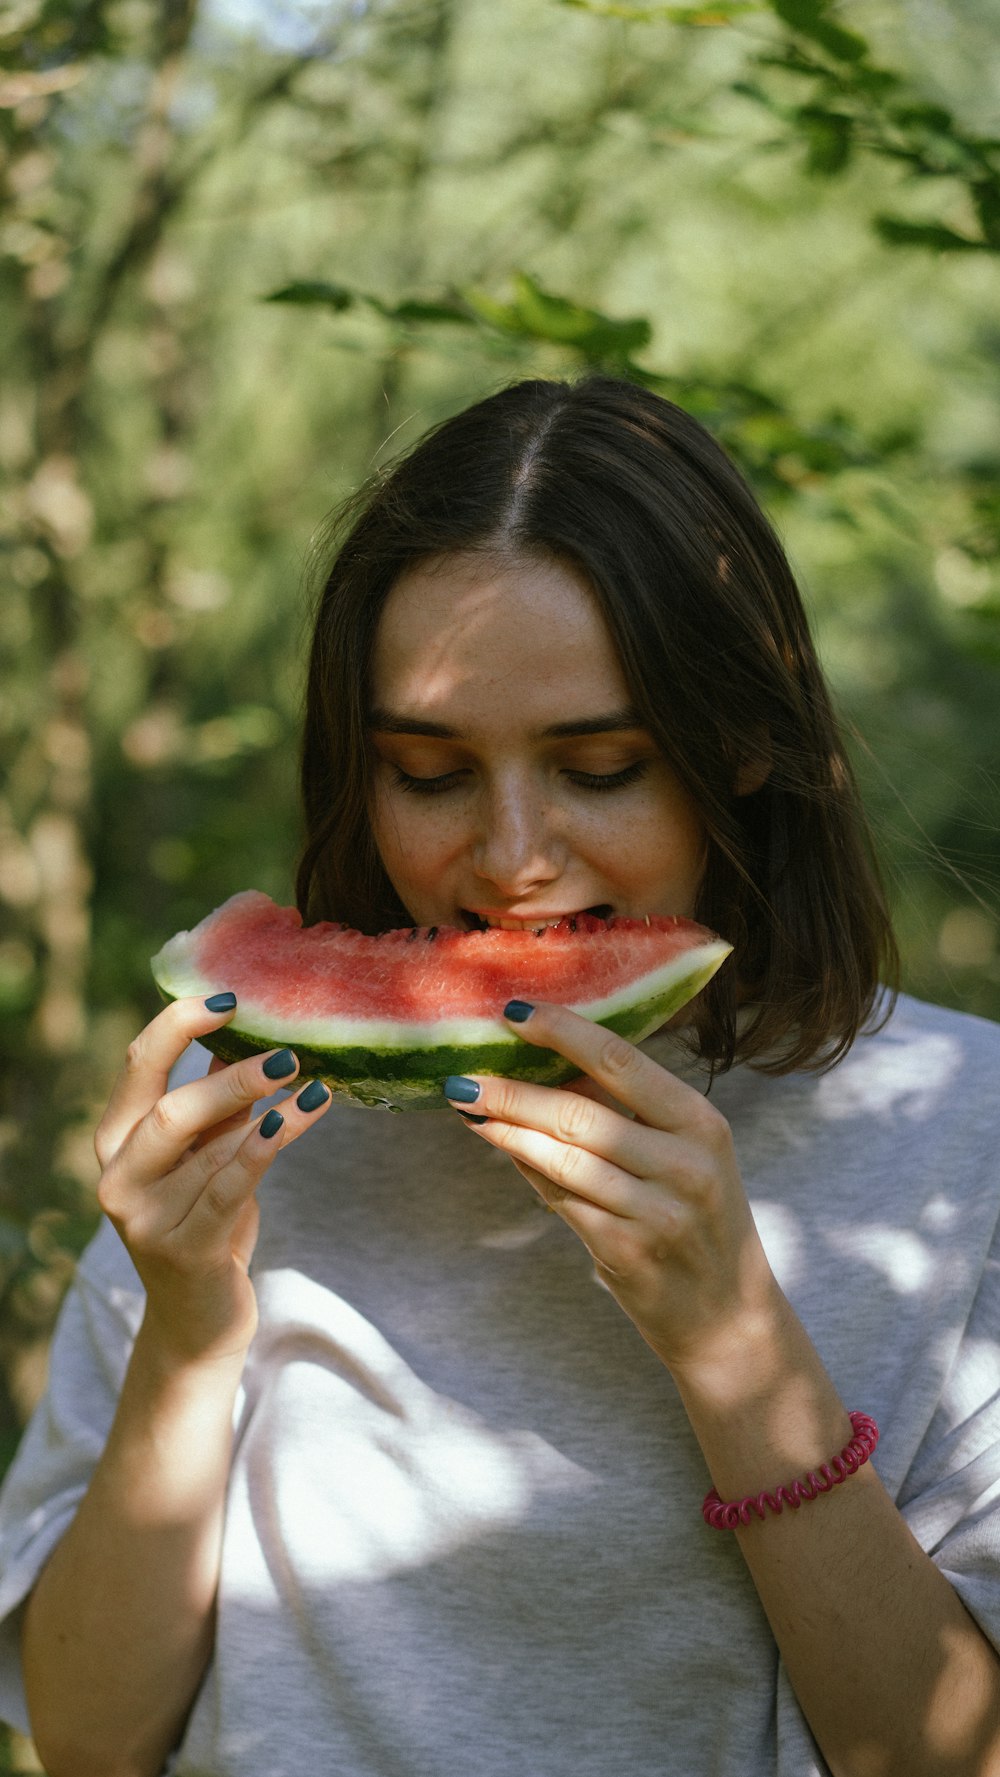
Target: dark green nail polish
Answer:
[[271, 1124], [220, 1002], [457, 1086], [469, 1118], [314, 1095], [278, 1067], [518, 1011]]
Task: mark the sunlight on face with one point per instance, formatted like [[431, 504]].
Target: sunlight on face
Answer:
[[513, 780]]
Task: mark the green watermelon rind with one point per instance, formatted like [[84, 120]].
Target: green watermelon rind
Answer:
[[409, 1076]]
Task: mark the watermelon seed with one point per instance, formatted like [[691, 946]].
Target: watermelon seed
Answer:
[[432, 934]]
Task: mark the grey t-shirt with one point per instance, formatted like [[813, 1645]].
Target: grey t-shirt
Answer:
[[464, 1528]]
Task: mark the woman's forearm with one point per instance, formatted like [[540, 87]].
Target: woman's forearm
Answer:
[[892, 1673], [119, 1628]]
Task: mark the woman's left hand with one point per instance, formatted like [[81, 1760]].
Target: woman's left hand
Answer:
[[652, 1189]]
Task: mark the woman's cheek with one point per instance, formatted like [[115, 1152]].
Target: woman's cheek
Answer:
[[397, 838], [414, 843]]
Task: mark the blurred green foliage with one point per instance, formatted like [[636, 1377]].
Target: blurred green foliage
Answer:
[[237, 266]]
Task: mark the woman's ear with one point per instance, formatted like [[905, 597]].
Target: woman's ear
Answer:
[[754, 768]]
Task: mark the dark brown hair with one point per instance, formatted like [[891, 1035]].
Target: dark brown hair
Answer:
[[707, 620]]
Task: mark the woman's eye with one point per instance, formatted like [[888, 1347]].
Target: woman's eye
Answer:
[[584, 780], [425, 786], [612, 780]]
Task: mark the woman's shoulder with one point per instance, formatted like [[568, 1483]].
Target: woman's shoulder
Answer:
[[919, 1078], [916, 1060], [917, 1092], [933, 1041]]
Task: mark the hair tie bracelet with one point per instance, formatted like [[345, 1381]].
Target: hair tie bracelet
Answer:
[[853, 1456]]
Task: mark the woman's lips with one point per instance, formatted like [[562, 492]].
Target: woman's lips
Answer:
[[479, 920]]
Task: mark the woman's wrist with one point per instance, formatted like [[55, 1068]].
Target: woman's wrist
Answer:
[[170, 1358], [760, 1400], [746, 1351], [166, 1393]]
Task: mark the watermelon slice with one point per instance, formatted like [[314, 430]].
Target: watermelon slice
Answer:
[[385, 1019]]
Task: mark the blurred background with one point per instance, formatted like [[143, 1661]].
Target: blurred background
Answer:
[[251, 248]]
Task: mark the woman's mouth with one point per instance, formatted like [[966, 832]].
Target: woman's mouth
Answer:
[[476, 920]]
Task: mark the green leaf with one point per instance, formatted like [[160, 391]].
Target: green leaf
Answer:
[[802, 15], [749, 89], [830, 138], [986, 197], [860, 81], [536, 314], [340, 298], [809, 18], [897, 232], [923, 116], [559, 318], [533, 314], [304, 290], [873, 82], [415, 310]]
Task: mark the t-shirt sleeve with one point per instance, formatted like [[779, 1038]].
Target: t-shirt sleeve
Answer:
[[951, 1497], [60, 1448]]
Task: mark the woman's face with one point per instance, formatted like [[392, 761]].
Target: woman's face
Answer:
[[514, 785]]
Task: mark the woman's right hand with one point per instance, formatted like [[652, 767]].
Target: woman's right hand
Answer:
[[179, 1175]]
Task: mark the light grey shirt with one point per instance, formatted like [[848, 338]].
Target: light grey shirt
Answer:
[[464, 1531]]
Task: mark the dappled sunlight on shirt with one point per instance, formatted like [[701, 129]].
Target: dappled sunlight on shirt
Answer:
[[899, 1254], [908, 1076], [427, 1475]]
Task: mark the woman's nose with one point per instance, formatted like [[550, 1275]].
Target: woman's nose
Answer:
[[518, 845]]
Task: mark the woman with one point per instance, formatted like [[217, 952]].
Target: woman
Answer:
[[411, 1494]]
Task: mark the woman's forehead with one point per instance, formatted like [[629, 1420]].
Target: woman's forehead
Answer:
[[470, 630]]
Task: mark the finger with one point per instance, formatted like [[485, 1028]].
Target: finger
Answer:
[[601, 1230], [148, 1061], [566, 1171], [573, 1118], [535, 1179], [220, 1176], [183, 1118], [656, 1096], [227, 1189], [238, 1120]]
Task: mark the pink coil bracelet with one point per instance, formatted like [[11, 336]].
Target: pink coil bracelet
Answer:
[[831, 1474]]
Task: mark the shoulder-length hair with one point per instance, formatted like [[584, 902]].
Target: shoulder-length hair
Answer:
[[702, 606]]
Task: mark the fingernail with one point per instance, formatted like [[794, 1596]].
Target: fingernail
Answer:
[[314, 1095], [458, 1086], [518, 1011], [271, 1124], [469, 1118], [220, 1002], [278, 1067]]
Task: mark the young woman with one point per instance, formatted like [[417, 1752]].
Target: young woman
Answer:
[[351, 1460]]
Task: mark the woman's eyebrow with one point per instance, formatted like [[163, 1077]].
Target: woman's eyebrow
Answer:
[[615, 722], [383, 721]]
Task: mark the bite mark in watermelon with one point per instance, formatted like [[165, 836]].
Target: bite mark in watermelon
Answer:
[[385, 1019]]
